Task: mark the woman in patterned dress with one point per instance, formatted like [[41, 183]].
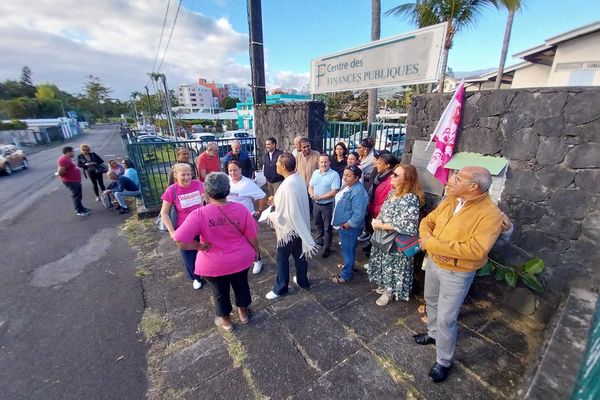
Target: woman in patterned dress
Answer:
[[393, 271]]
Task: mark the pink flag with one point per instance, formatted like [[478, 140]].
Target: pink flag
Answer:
[[445, 136]]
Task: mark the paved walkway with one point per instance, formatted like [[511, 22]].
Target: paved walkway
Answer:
[[329, 342]]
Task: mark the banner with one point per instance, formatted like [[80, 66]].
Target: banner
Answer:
[[407, 59], [445, 136]]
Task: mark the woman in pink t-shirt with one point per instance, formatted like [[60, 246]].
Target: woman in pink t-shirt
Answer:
[[186, 194], [228, 247]]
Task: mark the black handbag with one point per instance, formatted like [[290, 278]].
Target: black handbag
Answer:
[[101, 169], [384, 240]]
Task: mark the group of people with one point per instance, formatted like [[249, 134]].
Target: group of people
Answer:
[[216, 229], [124, 178]]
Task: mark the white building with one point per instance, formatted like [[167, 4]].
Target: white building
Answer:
[[197, 98], [242, 93]]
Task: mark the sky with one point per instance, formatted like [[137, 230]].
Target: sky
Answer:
[[63, 41]]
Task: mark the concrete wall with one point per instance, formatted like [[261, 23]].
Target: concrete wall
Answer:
[[23, 137], [585, 49], [286, 121], [552, 138], [534, 75]]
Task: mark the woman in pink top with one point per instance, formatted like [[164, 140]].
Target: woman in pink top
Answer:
[[228, 246], [186, 194]]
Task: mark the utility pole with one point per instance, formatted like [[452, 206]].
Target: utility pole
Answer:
[[168, 105], [257, 62]]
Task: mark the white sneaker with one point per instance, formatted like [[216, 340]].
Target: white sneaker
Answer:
[[197, 284], [257, 267], [97, 198], [271, 295], [366, 266], [295, 280]]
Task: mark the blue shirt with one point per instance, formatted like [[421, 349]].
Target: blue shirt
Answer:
[[324, 182], [132, 174]]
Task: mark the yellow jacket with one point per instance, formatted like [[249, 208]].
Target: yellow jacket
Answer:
[[465, 237]]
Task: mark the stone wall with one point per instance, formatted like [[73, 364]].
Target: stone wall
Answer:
[[286, 121], [24, 137], [552, 138]]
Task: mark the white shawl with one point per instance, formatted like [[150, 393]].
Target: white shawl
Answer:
[[291, 217]]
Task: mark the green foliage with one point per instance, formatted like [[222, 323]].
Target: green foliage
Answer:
[[12, 125], [513, 274], [346, 106], [229, 102]]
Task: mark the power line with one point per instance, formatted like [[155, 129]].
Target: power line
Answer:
[[170, 35], [162, 32]]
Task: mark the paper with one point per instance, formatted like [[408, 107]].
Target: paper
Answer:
[[265, 214]]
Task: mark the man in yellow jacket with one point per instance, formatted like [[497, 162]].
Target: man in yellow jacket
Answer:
[[457, 236]]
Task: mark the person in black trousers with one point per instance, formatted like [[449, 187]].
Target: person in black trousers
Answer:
[[89, 162]]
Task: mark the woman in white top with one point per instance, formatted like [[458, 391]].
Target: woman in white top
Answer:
[[243, 190]]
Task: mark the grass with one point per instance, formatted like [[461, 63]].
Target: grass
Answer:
[[153, 325]]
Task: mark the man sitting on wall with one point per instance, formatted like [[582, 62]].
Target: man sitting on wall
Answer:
[[457, 236], [122, 187], [240, 155]]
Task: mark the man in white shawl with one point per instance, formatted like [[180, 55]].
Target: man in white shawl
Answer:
[[291, 221]]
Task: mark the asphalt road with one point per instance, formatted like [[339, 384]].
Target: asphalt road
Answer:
[[70, 303]]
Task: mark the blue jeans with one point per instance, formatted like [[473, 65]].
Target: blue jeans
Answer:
[[189, 260], [348, 238], [292, 248], [120, 196]]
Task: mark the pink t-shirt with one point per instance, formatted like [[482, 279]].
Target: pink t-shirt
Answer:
[[72, 173], [188, 198], [230, 252]]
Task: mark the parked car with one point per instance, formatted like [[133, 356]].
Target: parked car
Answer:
[[198, 140], [12, 158], [151, 139]]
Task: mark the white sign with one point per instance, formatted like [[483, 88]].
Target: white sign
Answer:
[[407, 59]]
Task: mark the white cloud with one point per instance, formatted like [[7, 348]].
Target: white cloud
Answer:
[[288, 80], [116, 40]]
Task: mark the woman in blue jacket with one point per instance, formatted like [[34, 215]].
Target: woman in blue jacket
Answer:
[[349, 218]]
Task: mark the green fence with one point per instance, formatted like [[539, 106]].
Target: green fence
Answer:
[[387, 136], [587, 386], [153, 162]]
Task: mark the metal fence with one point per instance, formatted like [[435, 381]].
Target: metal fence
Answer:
[[588, 381], [387, 136], [153, 161]]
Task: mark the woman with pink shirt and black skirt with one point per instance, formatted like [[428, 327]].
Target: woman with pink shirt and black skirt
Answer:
[[228, 246]]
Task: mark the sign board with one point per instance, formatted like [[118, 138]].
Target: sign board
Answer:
[[420, 158], [496, 166], [407, 59]]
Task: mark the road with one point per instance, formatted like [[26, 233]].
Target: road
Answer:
[[70, 303]]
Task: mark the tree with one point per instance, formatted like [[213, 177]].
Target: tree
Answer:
[[375, 35], [45, 92], [28, 90], [229, 102], [512, 6], [458, 13], [97, 93]]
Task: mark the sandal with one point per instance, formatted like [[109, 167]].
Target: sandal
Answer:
[[424, 319], [340, 266], [379, 290], [338, 279], [219, 323], [422, 309], [244, 319], [384, 299]]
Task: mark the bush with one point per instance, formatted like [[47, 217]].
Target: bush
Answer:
[[13, 125]]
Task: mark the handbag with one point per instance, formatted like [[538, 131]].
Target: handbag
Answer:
[[407, 245], [172, 214], [101, 169], [383, 240]]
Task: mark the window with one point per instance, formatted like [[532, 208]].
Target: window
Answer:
[[582, 78]]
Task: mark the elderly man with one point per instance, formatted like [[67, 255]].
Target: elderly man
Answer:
[[183, 155], [457, 236], [323, 186], [297, 148], [121, 187], [208, 161], [270, 165], [291, 221], [240, 155]]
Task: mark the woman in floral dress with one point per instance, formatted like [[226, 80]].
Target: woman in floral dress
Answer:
[[393, 271]]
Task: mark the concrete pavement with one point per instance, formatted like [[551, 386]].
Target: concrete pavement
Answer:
[[70, 302]]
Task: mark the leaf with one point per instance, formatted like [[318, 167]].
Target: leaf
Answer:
[[533, 266], [511, 278], [486, 270], [499, 274], [532, 282]]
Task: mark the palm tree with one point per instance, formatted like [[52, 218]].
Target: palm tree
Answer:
[[458, 13], [375, 35], [511, 6]]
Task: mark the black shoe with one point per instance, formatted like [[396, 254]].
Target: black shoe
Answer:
[[89, 210], [124, 211], [326, 253], [117, 208], [438, 372], [423, 339]]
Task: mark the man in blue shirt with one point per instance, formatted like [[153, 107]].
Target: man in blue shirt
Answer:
[[122, 187], [242, 156], [323, 186]]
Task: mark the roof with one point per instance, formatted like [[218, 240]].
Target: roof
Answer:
[[544, 53]]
